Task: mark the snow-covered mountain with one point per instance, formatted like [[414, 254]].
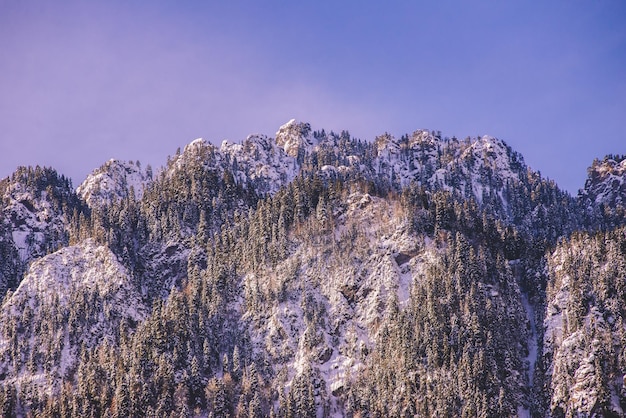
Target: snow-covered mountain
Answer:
[[333, 319], [36, 207], [114, 180], [85, 292], [606, 182], [314, 274], [477, 168], [295, 138], [256, 162], [584, 327]]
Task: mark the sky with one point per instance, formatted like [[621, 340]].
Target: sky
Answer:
[[82, 82]]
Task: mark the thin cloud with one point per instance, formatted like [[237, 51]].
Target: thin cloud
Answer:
[[85, 82]]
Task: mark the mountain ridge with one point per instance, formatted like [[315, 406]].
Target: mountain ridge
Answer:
[[314, 274]]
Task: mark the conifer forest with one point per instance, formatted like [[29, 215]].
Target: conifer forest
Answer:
[[314, 274]]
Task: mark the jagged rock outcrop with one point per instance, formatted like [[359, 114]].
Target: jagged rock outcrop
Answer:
[[295, 138], [584, 328], [114, 180], [606, 182]]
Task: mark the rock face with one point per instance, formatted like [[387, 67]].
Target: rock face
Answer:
[[113, 181], [294, 138], [314, 274], [606, 182], [346, 297]]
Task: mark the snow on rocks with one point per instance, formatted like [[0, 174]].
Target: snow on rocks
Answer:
[[606, 183], [113, 181], [575, 342], [35, 224], [86, 266], [259, 160], [350, 295], [295, 137], [55, 285], [472, 168], [256, 161]]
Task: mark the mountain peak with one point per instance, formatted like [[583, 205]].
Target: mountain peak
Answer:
[[606, 181], [196, 143], [113, 180], [294, 136]]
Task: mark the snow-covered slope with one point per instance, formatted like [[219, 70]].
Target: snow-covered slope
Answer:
[[256, 162], [474, 167], [351, 295], [314, 274], [261, 162], [341, 291], [482, 168], [86, 266], [584, 330], [81, 294], [113, 181], [35, 207], [37, 223]]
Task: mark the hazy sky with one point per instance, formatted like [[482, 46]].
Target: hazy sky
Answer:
[[82, 82]]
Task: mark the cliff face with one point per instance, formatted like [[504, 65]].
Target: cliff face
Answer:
[[606, 182]]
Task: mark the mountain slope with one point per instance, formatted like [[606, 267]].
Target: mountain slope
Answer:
[[313, 274], [113, 181], [584, 330], [74, 298], [35, 211]]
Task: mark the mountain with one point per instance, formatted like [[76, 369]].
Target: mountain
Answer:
[[37, 204], [584, 330], [314, 274], [607, 181], [76, 296], [114, 180]]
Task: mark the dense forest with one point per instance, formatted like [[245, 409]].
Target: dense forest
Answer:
[[314, 274]]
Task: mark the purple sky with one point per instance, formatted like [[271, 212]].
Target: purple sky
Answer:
[[82, 82]]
